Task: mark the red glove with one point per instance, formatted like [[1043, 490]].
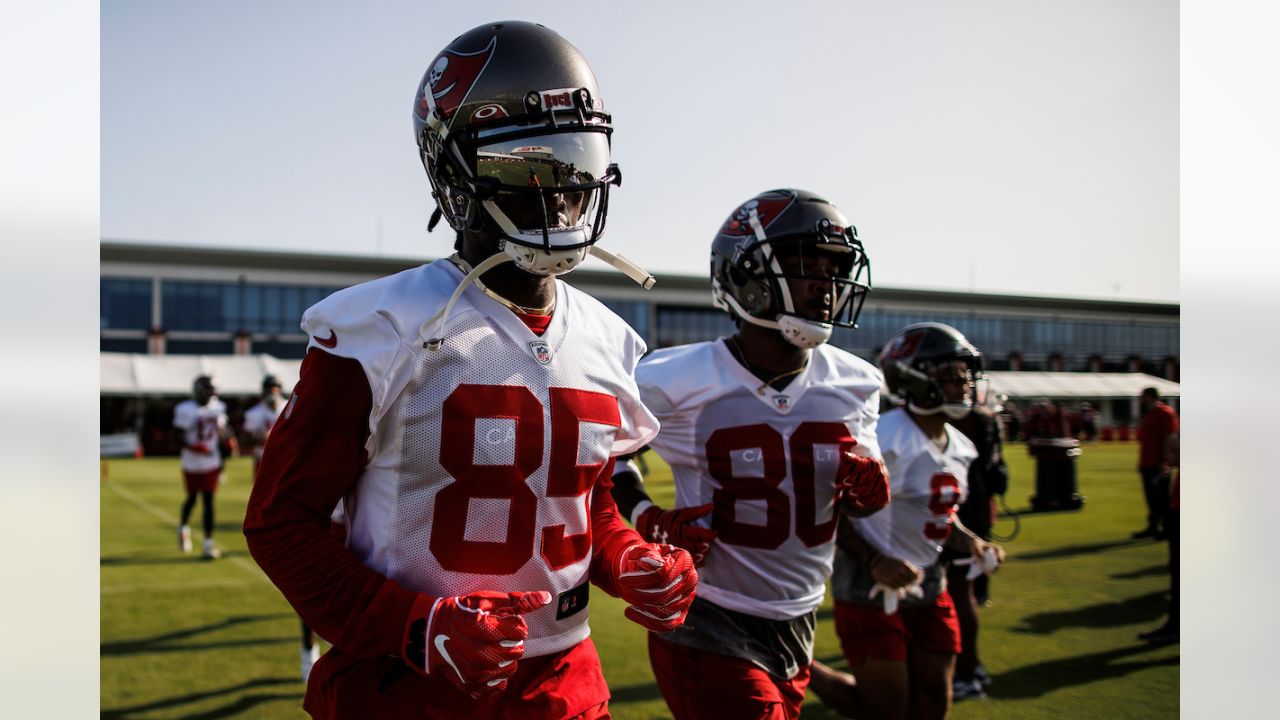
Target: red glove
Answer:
[[676, 527], [473, 640], [200, 448], [658, 582], [862, 484]]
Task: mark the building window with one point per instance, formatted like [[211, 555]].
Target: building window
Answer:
[[125, 304]]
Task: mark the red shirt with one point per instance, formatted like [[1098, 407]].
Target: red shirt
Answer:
[[1157, 425]]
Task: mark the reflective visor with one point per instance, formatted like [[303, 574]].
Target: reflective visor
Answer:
[[538, 179], [546, 161]]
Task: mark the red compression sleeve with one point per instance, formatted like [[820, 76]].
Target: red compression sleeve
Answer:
[[610, 535], [315, 456]]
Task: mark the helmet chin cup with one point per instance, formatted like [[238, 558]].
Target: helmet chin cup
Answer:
[[538, 261], [957, 411], [805, 334]]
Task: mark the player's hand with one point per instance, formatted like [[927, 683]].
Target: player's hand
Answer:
[[658, 582], [473, 641], [895, 573], [676, 527], [200, 448], [862, 484], [988, 554]]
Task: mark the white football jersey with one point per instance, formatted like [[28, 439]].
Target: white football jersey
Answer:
[[927, 486], [258, 420], [483, 453], [200, 424], [767, 460]]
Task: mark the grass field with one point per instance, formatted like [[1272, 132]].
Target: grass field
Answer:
[[185, 638]]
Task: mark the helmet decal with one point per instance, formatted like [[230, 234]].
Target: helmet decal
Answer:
[[903, 346], [767, 210], [449, 79], [492, 111]]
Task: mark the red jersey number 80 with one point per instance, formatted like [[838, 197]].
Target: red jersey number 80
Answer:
[[773, 461], [565, 477]]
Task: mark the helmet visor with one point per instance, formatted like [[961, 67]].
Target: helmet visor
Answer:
[[546, 183]]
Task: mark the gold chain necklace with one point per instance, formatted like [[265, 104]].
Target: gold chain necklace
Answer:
[[465, 267], [737, 352]]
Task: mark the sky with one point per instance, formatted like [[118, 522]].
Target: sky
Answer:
[[1005, 146]]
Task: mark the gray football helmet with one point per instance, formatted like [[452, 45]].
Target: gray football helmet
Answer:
[[788, 227], [919, 358]]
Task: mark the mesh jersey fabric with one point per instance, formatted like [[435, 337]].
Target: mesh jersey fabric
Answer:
[[483, 453], [927, 485], [766, 459], [200, 424]]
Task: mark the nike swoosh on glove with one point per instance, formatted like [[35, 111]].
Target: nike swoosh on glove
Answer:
[[862, 484], [658, 582], [676, 527], [474, 640]]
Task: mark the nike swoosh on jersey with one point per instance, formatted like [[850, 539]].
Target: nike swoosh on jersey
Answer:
[[329, 342]]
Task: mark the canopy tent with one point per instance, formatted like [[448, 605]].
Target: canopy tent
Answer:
[[132, 374], [1063, 385]]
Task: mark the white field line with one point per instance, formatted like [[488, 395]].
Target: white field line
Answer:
[[172, 521]]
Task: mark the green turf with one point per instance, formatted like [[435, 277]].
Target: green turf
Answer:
[[186, 638]]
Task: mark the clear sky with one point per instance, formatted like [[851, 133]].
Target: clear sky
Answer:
[[1008, 146]]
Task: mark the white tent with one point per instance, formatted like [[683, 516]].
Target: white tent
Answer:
[[1064, 385], [131, 374]]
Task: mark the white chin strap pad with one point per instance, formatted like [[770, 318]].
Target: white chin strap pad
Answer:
[[954, 411], [543, 262], [804, 333]]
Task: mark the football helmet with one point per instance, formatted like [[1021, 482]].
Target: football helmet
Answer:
[[920, 358], [777, 238], [514, 138]]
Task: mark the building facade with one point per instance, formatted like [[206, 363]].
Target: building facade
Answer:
[[188, 300]]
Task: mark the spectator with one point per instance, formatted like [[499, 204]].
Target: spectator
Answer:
[[1159, 421], [1168, 633], [1089, 421]]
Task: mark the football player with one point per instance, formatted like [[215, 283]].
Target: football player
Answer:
[[467, 412], [201, 424], [770, 434], [896, 621], [259, 419]]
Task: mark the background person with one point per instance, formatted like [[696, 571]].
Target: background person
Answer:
[[1159, 421], [201, 423]]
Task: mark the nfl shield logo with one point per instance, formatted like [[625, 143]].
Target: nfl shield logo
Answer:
[[782, 402], [541, 351]]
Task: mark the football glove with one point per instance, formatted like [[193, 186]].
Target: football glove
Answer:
[[676, 528], [862, 484], [473, 641], [657, 582]]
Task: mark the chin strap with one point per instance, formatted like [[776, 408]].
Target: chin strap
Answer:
[[624, 266], [433, 342], [954, 411]]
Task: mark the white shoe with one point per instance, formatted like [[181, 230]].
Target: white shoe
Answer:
[[210, 550], [309, 658], [967, 690], [184, 538]]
